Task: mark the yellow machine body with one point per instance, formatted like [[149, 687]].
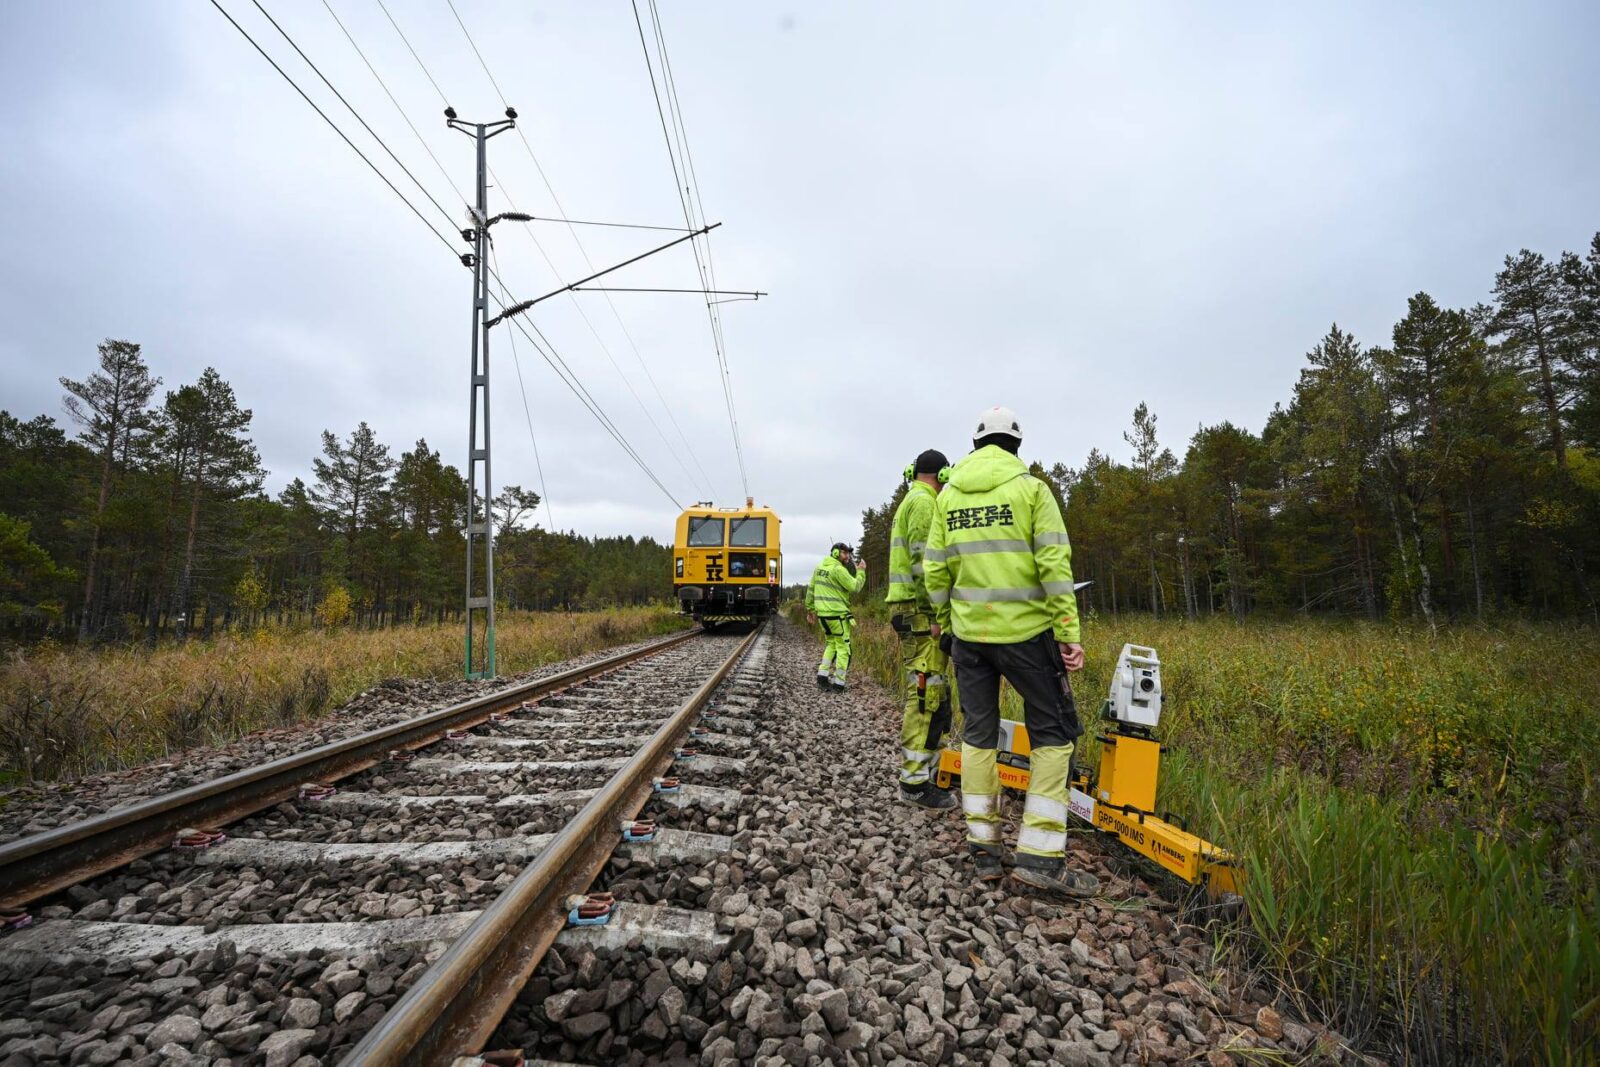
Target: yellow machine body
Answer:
[[1120, 800], [1128, 769], [727, 562]]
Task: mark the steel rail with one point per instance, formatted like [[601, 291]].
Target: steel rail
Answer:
[[40, 864], [456, 1004]]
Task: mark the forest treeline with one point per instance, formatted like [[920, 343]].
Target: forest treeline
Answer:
[[145, 514], [1452, 472]]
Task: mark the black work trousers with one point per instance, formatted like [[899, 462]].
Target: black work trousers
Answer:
[[1033, 667]]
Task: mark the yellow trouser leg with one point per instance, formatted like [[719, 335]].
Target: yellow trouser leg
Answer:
[[923, 687], [839, 647], [1044, 817], [980, 794], [828, 649]]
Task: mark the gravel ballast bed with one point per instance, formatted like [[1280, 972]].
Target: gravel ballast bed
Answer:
[[859, 935]]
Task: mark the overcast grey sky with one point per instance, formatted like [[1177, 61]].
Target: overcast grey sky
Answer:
[[1067, 208]]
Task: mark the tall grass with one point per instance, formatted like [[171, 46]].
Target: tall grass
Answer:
[[66, 712], [1418, 818]]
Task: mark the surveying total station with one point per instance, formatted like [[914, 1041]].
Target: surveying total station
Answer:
[[1120, 798]]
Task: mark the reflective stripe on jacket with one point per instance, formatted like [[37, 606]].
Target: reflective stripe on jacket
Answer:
[[908, 540], [998, 561], [831, 587]]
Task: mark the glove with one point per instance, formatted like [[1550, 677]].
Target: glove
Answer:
[[947, 641]]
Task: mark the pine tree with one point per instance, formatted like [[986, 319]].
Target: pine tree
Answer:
[[1580, 278], [1530, 315], [1155, 466], [111, 406], [351, 489], [205, 433]]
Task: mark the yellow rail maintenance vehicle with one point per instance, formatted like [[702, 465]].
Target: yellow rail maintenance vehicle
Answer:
[[1120, 798], [727, 563]]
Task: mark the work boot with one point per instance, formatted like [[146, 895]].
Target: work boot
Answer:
[[824, 680], [986, 861], [927, 795], [1050, 875], [837, 684]]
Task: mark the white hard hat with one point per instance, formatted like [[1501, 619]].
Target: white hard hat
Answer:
[[998, 420]]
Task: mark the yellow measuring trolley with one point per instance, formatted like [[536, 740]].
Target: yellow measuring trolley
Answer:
[[1120, 798]]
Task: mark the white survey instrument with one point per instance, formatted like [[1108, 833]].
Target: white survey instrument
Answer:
[[1135, 698]]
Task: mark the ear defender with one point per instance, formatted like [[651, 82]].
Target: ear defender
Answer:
[[944, 475], [834, 552], [910, 472]]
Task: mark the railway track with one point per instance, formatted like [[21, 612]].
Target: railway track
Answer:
[[787, 908], [381, 899]]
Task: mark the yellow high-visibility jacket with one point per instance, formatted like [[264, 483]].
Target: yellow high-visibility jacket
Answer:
[[908, 540], [998, 561], [832, 586]]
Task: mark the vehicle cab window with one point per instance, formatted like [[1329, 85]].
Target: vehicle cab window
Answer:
[[748, 533], [705, 532]]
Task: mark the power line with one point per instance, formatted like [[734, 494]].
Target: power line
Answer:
[[442, 98], [711, 266], [544, 493], [548, 352], [384, 145], [628, 334], [619, 225], [551, 356], [582, 314], [707, 276], [342, 135], [407, 118], [576, 384]]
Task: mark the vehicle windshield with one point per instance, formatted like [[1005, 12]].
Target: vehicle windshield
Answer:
[[748, 533], [705, 533]]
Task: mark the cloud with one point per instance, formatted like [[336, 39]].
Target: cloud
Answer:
[[1064, 209]]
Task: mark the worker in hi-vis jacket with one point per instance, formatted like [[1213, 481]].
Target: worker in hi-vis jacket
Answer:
[[924, 686], [828, 595], [998, 568]]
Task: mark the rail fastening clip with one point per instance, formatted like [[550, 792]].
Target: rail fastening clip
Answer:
[[590, 909]]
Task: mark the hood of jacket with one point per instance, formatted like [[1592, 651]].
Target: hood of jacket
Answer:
[[985, 469]]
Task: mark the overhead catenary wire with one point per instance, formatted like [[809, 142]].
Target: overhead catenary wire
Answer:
[[449, 218], [423, 141], [610, 358], [335, 127], [617, 225], [442, 98], [688, 203], [516, 361], [690, 193], [575, 383], [688, 159], [547, 351], [572, 232], [582, 314], [682, 130]]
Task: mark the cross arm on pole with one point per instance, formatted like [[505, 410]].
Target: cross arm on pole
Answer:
[[601, 273], [751, 293]]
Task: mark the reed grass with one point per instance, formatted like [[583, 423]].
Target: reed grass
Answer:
[[66, 712]]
